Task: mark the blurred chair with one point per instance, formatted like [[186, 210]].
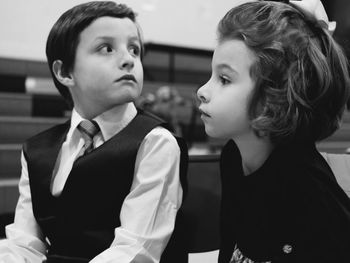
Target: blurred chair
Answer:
[[202, 207], [205, 257], [5, 219], [340, 165]]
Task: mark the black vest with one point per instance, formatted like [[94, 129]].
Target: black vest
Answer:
[[80, 223]]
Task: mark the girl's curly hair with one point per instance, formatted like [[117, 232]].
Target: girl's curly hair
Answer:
[[301, 74]]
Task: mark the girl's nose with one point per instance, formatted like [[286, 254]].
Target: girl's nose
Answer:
[[202, 95]]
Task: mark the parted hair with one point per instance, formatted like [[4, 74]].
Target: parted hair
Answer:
[[64, 36], [301, 73]]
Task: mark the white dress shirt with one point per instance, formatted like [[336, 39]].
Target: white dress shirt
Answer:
[[148, 212]]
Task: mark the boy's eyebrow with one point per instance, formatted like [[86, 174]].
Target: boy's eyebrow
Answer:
[[135, 38], [111, 38]]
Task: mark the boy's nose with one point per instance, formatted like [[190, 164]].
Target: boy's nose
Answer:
[[127, 62]]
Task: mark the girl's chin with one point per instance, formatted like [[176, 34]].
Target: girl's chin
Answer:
[[212, 133]]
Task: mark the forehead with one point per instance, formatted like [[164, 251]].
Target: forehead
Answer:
[[235, 54], [107, 26]]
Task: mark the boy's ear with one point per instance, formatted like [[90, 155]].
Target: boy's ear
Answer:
[[61, 74]]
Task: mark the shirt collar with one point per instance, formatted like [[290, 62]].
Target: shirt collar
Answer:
[[110, 122]]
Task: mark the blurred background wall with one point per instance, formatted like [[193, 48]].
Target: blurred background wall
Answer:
[[25, 24]]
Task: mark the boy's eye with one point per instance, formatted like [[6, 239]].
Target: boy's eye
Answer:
[[224, 80], [105, 49], [135, 50]]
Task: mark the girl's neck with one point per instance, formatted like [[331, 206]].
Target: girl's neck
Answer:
[[254, 152]]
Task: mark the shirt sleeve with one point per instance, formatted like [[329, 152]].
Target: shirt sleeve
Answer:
[[148, 213], [24, 238]]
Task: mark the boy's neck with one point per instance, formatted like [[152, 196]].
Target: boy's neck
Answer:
[[106, 114], [254, 152]]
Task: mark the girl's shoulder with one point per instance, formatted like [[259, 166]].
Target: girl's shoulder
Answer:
[[312, 184]]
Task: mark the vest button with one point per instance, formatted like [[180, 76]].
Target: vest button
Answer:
[[287, 249]]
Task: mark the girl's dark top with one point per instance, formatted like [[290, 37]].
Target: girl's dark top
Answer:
[[290, 210]]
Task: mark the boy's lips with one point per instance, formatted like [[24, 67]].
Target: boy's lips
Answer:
[[127, 77]]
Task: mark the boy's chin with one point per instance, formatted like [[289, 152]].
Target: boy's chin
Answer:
[[121, 99], [120, 106]]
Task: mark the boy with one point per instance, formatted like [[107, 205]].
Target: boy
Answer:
[[104, 186]]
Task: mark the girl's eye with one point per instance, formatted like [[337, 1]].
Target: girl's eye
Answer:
[[224, 80]]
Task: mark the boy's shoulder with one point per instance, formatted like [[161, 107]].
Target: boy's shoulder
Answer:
[[152, 118], [162, 129], [145, 122]]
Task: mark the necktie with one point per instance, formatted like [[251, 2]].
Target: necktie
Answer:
[[88, 129]]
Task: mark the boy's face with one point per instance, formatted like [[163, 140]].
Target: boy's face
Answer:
[[107, 71], [225, 97]]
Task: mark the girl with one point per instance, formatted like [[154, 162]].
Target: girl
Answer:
[[279, 84]]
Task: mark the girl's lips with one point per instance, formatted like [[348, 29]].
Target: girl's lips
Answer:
[[204, 113]]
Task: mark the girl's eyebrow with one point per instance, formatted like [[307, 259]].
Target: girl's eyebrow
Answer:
[[227, 67]]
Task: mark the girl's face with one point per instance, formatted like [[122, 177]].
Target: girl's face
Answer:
[[225, 97]]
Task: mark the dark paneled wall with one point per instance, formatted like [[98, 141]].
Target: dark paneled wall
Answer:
[[339, 11]]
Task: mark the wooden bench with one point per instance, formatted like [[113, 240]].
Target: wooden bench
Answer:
[[18, 129], [8, 195], [10, 164], [15, 104]]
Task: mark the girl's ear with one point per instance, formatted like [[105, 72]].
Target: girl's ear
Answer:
[[61, 74]]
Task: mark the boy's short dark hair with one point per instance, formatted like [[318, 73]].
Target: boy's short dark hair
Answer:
[[302, 81], [64, 36]]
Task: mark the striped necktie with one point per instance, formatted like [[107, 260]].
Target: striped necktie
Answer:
[[88, 130]]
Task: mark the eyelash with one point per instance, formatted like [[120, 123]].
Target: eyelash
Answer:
[[136, 48], [107, 48], [224, 80]]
